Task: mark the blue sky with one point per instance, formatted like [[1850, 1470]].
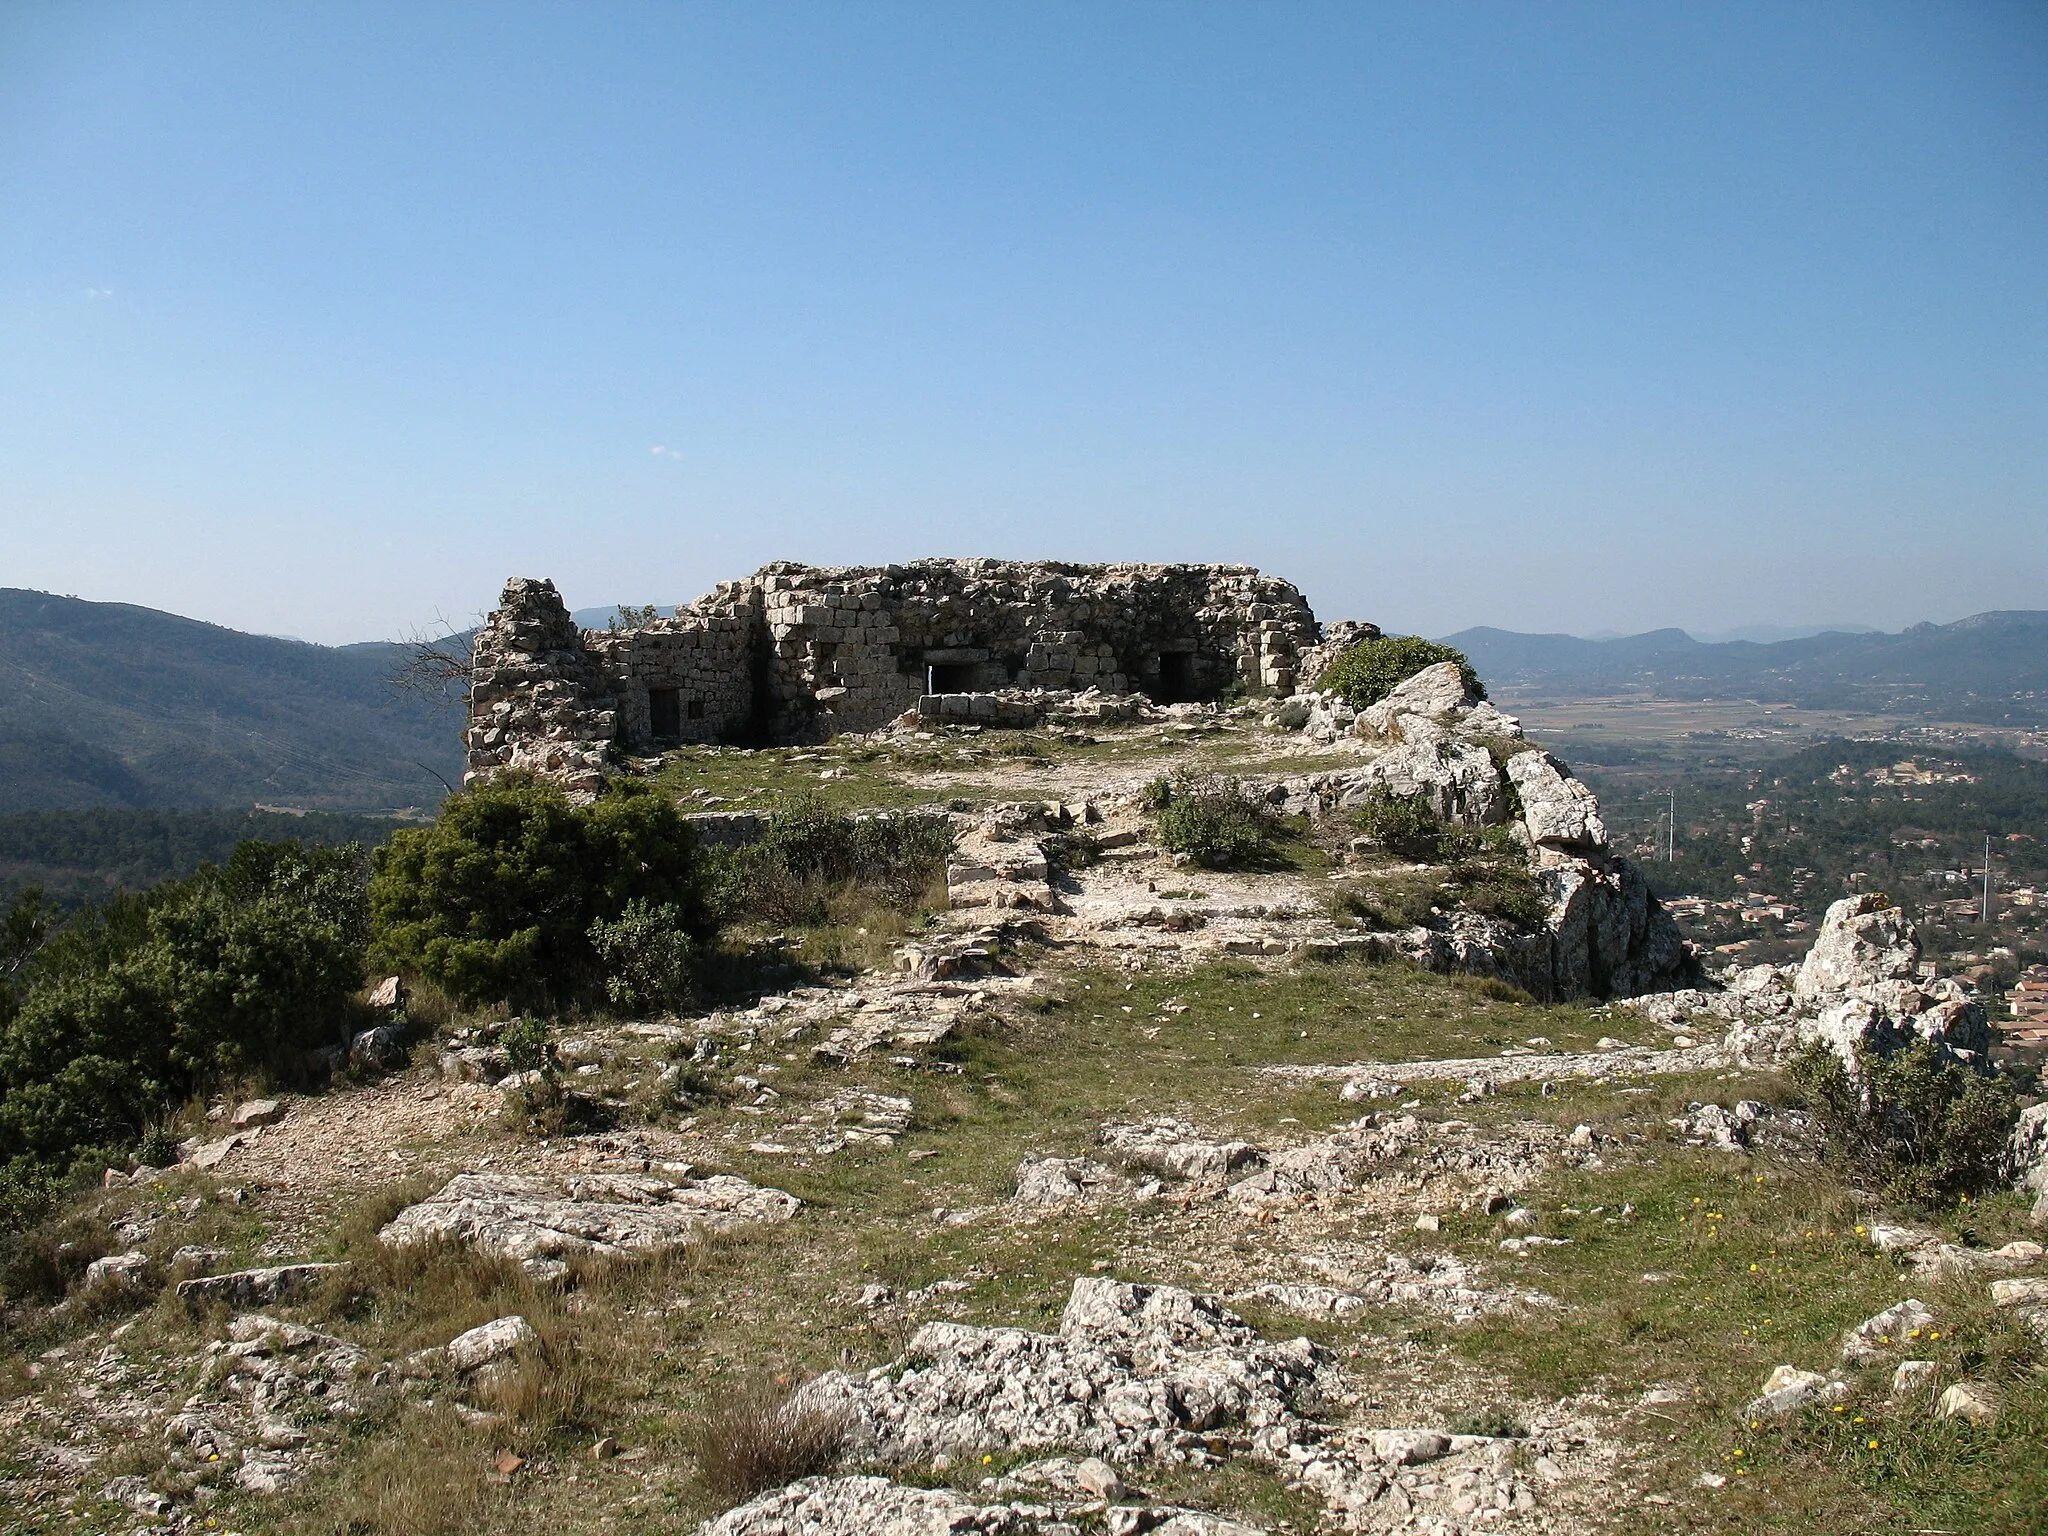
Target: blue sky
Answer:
[[322, 319]]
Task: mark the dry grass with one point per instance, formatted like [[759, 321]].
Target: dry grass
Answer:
[[757, 1437]]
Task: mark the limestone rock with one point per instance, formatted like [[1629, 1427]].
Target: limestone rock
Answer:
[[255, 1287], [256, 1112], [1788, 1389], [114, 1269], [1058, 1180], [875, 1506], [1863, 940], [1887, 1333], [1133, 1372], [1430, 695], [1176, 1150], [2029, 1292], [1970, 1400], [1559, 811], [1914, 1376], [541, 1223], [2030, 1156], [491, 1341]]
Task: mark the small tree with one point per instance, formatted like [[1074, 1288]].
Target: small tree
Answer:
[[497, 900], [1372, 669]]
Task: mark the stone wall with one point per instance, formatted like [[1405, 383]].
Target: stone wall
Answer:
[[795, 653]]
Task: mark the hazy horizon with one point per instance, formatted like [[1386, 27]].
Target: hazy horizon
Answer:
[[325, 320]]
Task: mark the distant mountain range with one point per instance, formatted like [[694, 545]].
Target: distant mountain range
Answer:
[[110, 705], [106, 704], [1991, 669]]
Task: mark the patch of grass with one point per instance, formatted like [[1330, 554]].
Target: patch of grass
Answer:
[[1722, 1270], [755, 1437]]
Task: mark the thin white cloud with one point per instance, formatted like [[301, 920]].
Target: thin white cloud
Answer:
[[664, 453]]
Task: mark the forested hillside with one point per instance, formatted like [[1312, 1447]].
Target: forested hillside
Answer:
[[107, 704]]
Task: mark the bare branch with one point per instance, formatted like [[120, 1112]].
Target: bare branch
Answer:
[[439, 663]]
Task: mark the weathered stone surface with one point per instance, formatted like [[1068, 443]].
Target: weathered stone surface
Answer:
[[115, 1268], [1788, 1389], [1863, 940], [1176, 1150], [256, 1112], [875, 1506], [255, 1287], [1059, 1180], [541, 1223], [2030, 1154], [2029, 1292], [1559, 811], [1887, 1334], [1134, 1371], [379, 1049], [490, 1341], [1914, 1376], [1970, 1400]]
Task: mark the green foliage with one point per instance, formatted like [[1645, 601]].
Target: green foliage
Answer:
[[1391, 902], [1403, 824], [1216, 822], [1509, 893], [1077, 848], [1916, 1128], [527, 1045], [496, 901], [88, 855], [1372, 669], [809, 853], [136, 1005], [647, 954]]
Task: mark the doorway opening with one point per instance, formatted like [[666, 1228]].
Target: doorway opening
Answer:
[[665, 714], [1177, 677]]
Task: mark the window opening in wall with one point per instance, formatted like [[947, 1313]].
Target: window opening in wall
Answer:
[[665, 713], [696, 709], [951, 677], [1177, 678]]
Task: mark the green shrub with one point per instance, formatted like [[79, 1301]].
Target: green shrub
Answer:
[[1392, 903], [1372, 669], [136, 1005], [809, 855], [1917, 1129], [528, 1045], [1403, 824], [1216, 822], [496, 900], [647, 955], [1510, 894]]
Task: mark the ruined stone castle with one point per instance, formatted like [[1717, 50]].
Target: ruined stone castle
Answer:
[[795, 653]]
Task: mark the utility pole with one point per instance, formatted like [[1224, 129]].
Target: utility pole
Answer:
[[1987, 877], [1671, 831]]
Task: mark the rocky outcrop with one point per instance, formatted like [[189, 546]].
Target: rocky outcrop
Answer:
[[1432, 737], [1135, 1371], [874, 1506], [1863, 942], [542, 1223]]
